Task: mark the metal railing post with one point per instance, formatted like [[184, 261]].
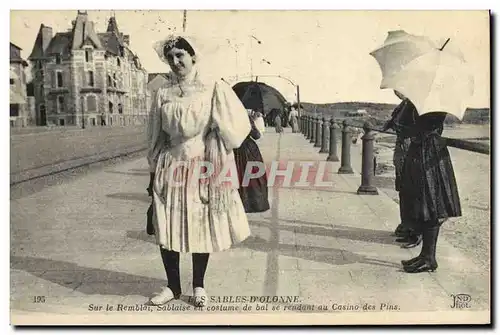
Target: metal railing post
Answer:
[[332, 156], [313, 130], [345, 167], [319, 123], [324, 140], [367, 163]]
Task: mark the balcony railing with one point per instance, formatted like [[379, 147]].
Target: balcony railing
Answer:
[[116, 90], [90, 89], [58, 90]]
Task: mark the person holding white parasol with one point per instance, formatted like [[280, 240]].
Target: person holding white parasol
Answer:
[[437, 82]]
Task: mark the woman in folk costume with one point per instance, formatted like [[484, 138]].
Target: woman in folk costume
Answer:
[[193, 120], [253, 192], [293, 119], [428, 188], [403, 121]]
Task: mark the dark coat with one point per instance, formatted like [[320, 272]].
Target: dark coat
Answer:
[[428, 186]]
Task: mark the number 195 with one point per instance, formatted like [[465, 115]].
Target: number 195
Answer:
[[39, 299]]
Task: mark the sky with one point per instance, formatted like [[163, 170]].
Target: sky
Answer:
[[325, 52]]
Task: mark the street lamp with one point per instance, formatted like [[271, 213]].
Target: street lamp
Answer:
[[252, 37], [184, 20], [235, 47]]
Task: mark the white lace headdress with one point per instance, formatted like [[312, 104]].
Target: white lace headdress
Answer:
[[201, 50]]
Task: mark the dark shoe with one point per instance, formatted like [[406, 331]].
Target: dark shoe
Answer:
[[401, 231], [428, 260], [410, 261], [413, 242], [404, 239], [421, 265]]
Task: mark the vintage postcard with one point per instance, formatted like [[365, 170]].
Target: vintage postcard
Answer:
[[239, 167]]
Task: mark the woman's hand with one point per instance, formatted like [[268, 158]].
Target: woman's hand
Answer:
[[387, 126], [256, 115]]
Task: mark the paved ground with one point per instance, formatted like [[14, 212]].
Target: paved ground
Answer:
[[36, 154], [83, 242]]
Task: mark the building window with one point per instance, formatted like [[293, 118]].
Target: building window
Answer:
[[61, 122], [14, 110], [114, 80], [110, 81], [60, 104], [120, 109], [118, 62], [88, 55], [43, 115], [58, 59], [90, 78], [91, 103], [110, 105], [59, 79], [11, 81]]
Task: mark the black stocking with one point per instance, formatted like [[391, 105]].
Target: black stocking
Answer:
[[200, 262], [171, 264]]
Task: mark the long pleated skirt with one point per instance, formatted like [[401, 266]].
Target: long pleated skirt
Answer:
[[184, 222], [428, 185]]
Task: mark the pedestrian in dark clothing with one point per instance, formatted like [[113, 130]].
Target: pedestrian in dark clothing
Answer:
[[403, 121], [254, 195], [428, 188]]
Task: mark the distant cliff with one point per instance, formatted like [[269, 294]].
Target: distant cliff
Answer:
[[383, 111]]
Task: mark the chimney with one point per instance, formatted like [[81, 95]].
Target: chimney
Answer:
[[46, 36]]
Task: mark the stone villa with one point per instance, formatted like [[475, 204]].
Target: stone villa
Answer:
[[86, 76]]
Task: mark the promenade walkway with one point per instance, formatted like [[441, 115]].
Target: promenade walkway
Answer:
[[84, 242]]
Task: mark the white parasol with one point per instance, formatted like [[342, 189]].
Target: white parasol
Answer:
[[433, 76]]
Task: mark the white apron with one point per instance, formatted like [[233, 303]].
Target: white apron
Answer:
[[185, 219]]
